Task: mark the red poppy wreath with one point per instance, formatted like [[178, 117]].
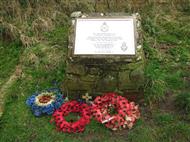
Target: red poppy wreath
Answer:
[[125, 114], [72, 127]]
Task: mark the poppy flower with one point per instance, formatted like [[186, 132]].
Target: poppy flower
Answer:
[[72, 127], [126, 112]]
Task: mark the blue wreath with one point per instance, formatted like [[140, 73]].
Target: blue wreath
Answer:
[[47, 109]]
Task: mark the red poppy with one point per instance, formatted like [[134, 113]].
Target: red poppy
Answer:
[[72, 127], [126, 112]]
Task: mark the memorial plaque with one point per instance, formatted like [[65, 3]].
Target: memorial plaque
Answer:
[[105, 36]]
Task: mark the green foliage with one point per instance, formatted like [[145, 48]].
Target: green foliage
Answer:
[[69, 6], [23, 3], [9, 58], [174, 80], [44, 63], [178, 132], [142, 132], [184, 6], [180, 54], [72, 117], [169, 128], [155, 86], [168, 39], [163, 73], [166, 44], [167, 52], [149, 26], [58, 36], [162, 119], [183, 102]]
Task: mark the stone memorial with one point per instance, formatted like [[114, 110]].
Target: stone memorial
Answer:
[[105, 54]]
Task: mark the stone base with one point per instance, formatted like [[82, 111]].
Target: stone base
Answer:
[[95, 78]]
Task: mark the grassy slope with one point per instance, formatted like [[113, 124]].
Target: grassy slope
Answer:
[[167, 49], [9, 58]]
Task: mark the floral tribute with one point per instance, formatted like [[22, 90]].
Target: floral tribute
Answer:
[[126, 113], [74, 107], [45, 102]]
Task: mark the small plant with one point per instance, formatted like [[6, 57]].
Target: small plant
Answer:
[[58, 36], [150, 27], [163, 119], [183, 102], [155, 86], [9, 58]]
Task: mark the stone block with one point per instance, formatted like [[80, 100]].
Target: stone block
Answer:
[[124, 81], [92, 70], [107, 82], [137, 76], [76, 69], [89, 78], [76, 84]]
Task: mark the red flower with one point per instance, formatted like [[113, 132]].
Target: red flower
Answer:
[[72, 127], [127, 112]]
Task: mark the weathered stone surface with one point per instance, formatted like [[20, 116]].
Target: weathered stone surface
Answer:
[[89, 78], [76, 14], [107, 82], [93, 71], [75, 84], [75, 69], [137, 75], [98, 74], [124, 81]]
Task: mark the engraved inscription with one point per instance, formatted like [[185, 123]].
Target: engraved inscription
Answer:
[[105, 36]]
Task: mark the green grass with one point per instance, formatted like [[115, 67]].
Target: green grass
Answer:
[[170, 128], [44, 65], [143, 132], [166, 45], [9, 58], [56, 36], [167, 49], [183, 102]]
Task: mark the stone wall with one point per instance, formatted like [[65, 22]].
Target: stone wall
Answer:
[[106, 74]]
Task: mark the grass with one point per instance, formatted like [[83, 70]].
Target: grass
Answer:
[[142, 132], [9, 58], [57, 35], [167, 49], [183, 102], [166, 45], [170, 128], [41, 62]]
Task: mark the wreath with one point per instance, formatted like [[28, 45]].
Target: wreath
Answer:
[[72, 127], [126, 113], [45, 102]]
